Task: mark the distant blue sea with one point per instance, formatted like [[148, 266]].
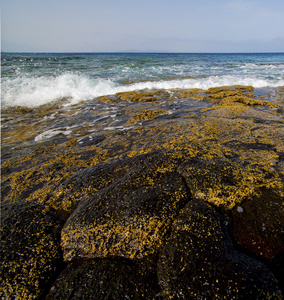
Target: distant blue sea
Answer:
[[40, 78]]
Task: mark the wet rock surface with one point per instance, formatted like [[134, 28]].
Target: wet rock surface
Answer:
[[171, 195]]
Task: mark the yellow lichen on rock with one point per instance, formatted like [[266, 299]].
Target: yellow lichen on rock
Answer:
[[129, 217], [227, 185]]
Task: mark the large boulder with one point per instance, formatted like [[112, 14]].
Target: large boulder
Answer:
[[108, 278], [200, 262], [84, 184], [250, 196], [257, 226], [131, 216]]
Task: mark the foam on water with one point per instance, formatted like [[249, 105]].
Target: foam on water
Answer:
[[36, 79], [36, 91], [51, 133], [42, 90]]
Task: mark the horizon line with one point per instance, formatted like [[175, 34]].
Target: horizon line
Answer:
[[136, 52]]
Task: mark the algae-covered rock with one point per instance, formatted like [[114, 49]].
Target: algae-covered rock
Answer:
[[192, 94], [110, 278], [235, 96], [143, 96], [83, 184], [145, 115], [111, 99], [200, 262], [237, 87], [30, 250], [218, 181], [131, 216]]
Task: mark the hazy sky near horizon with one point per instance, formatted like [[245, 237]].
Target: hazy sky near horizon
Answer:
[[148, 25]]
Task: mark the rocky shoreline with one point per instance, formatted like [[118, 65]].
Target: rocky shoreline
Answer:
[[181, 198]]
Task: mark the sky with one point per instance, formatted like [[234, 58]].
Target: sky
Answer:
[[144, 26]]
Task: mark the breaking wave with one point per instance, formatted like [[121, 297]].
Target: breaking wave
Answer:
[[35, 91]]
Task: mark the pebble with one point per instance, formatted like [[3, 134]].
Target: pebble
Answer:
[[240, 209]]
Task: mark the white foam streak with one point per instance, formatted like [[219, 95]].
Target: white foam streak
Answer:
[[204, 83], [51, 133], [37, 91]]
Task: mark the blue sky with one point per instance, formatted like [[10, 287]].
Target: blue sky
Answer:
[[148, 25]]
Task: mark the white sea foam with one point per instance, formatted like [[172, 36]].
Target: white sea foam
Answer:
[[121, 128], [51, 133], [35, 91]]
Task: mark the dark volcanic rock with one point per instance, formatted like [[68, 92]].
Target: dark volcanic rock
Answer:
[[115, 278], [83, 184], [251, 199], [30, 250], [129, 217], [257, 225], [199, 261]]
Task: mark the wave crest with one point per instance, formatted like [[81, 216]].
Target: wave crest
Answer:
[[35, 91]]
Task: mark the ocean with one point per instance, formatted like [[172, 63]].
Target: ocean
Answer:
[[41, 78]]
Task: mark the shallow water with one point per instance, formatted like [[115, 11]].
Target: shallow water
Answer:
[[61, 121]]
